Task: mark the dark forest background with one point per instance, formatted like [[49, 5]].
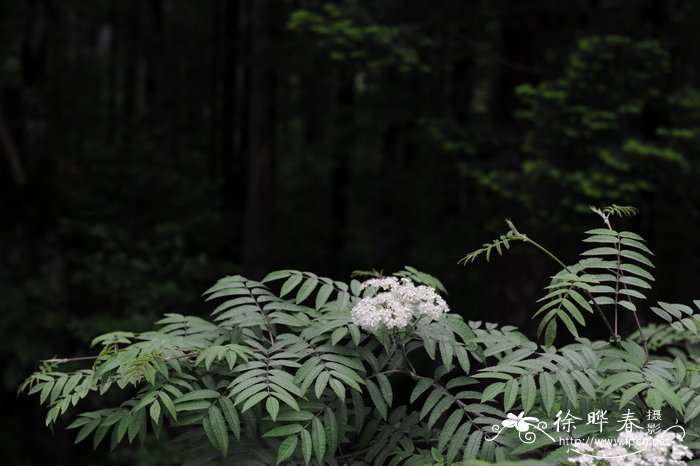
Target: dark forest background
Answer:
[[149, 147]]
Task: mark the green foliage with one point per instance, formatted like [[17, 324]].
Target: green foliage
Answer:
[[349, 37], [606, 127], [500, 244], [280, 373]]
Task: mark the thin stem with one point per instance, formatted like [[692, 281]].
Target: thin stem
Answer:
[[618, 272], [92, 358], [618, 276], [565, 267], [66, 360], [641, 335], [655, 332], [182, 356]]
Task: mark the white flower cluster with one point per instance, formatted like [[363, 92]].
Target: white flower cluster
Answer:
[[662, 449], [396, 303]]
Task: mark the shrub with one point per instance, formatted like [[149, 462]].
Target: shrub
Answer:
[[304, 369]]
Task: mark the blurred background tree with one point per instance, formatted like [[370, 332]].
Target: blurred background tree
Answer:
[[150, 147]]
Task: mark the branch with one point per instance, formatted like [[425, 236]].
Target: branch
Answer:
[[618, 275], [565, 267], [56, 360]]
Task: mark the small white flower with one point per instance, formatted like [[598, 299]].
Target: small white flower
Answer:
[[663, 449], [393, 303]]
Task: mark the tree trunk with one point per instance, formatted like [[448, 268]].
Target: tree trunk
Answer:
[[130, 72], [259, 205], [163, 85], [40, 211], [214, 83], [387, 250], [232, 164], [7, 145], [113, 77], [340, 172]]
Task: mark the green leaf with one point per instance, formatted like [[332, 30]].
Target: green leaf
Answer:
[[636, 244], [87, 429], [276, 275], [601, 231], [385, 388], [291, 283], [528, 392], [568, 323], [471, 450], [137, 424], [322, 297], [338, 388], [616, 381], [449, 428], [635, 353], [668, 394], [636, 257], [377, 398], [463, 359], [693, 409], [338, 335], [332, 430], [58, 388], [306, 289], [287, 448], [197, 395], [550, 333], [636, 270], [154, 412], [306, 446], [584, 383], [252, 401], [630, 393], [273, 407], [231, 416], [355, 334], [604, 251], [431, 401], [547, 391], [634, 281], [581, 301], [218, 433], [569, 387], [609, 239], [285, 397], [446, 351], [283, 431], [574, 312], [457, 442], [661, 313], [321, 383], [439, 409], [318, 439], [629, 234], [123, 426], [492, 391], [421, 386], [510, 394]]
